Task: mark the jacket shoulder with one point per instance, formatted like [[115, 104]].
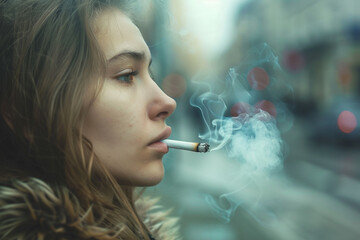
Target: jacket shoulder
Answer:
[[31, 209], [157, 220]]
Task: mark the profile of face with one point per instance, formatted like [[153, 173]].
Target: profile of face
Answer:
[[127, 119]]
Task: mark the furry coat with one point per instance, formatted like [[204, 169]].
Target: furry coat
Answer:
[[33, 210]]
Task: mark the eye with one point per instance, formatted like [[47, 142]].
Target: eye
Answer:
[[126, 76]]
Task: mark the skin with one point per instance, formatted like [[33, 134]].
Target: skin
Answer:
[[130, 111]]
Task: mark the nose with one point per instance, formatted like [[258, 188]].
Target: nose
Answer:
[[161, 105]]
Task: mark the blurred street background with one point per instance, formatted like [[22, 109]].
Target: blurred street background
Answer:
[[314, 96]]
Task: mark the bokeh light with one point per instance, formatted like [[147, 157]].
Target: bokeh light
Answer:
[[258, 78], [347, 122], [345, 75], [240, 108], [293, 60], [174, 85], [266, 106]]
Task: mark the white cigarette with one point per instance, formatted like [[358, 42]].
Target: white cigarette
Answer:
[[190, 146]]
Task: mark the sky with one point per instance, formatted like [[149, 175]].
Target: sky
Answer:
[[211, 21]]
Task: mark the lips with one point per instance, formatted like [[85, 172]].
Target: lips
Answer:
[[159, 146]]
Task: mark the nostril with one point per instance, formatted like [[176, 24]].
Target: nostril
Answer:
[[163, 114]]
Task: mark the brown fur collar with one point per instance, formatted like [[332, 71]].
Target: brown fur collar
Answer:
[[33, 210]]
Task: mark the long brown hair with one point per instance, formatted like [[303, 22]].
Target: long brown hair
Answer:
[[49, 58]]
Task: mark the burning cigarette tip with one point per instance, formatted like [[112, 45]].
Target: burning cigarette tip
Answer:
[[203, 147]]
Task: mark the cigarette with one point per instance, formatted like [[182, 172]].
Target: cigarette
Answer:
[[190, 146]]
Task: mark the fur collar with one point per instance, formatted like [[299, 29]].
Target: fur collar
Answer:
[[33, 210]]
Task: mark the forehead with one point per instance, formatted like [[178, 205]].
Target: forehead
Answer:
[[116, 33]]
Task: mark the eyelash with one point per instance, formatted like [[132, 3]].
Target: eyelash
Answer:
[[127, 75]]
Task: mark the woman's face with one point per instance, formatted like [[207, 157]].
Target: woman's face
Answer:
[[127, 119]]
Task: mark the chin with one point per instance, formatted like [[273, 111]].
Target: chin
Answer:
[[150, 183], [150, 176], [152, 179], [143, 182]]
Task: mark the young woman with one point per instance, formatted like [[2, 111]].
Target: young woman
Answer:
[[81, 122]]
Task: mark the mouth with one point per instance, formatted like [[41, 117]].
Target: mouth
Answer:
[[159, 146]]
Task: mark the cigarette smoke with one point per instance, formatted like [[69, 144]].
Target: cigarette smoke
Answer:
[[250, 138]]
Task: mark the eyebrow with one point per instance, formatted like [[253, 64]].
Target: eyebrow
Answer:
[[139, 56]]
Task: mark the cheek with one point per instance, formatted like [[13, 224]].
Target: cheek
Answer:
[[110, 119], [105, 124]]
